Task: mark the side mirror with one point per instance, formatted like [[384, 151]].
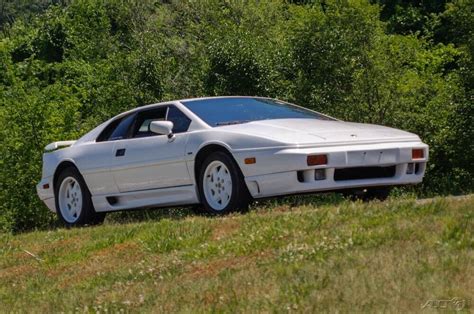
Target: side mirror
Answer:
[[162, 128]]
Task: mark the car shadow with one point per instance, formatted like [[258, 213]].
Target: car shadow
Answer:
[[180, 213], [300, 200], [177, 213]]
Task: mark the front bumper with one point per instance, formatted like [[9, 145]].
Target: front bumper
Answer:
[[45, 192], [300, 178]]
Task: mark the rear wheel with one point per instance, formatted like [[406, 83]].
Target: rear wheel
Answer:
[[73, 200], [222, 187]]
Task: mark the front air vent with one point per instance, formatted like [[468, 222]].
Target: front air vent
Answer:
[[300, 176], [112, 200]]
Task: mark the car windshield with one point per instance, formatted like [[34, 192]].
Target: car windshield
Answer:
[[226, 111]]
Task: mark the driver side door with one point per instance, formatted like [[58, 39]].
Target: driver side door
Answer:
[[146, 160]]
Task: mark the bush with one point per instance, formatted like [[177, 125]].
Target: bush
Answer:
[[65, 68]]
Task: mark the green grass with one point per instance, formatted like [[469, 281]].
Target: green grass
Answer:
[[287, 256]]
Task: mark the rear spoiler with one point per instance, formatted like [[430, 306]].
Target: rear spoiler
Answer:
[[57, 145]]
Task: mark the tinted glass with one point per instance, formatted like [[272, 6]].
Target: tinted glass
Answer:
[[121, 130], [180, 121], [144, 118], [105, 134], [224, 111], [117, 129]]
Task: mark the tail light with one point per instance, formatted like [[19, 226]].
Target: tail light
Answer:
[[317, 160]]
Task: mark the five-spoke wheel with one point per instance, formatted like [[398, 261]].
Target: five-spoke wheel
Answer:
[[217, 185], [222, 188], [73, 200], [70, 199]]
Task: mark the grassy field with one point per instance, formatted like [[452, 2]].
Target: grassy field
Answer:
[[279, 257]]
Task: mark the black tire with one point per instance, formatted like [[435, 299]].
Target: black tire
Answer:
[[88, 215], [240, 197]]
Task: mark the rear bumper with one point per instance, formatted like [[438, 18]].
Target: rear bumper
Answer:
[[45, 192], [303, 178]]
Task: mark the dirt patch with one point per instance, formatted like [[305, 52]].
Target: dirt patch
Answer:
[[213, 268], [117, 250], [225, 228], [17, 271], [73, 243], [102, 261], [282, 209]]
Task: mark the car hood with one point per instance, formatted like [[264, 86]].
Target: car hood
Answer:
[[312, 131]]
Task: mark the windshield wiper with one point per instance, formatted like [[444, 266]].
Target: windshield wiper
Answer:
[[232, 122]]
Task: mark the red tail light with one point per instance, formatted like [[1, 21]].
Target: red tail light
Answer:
[[317, 160]]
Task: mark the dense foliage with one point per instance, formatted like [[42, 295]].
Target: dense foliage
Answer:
[[68, 65]]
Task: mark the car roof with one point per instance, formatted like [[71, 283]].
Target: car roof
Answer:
[[219, 97], [169, 102], [180, 103]]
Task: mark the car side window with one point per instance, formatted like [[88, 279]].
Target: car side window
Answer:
[[141, 126], [121, 131], [180, 121], [117, 129]]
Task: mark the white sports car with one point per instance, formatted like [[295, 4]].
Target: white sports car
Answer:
[[221, 152]]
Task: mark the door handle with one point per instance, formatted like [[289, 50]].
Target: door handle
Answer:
[[120, 152]]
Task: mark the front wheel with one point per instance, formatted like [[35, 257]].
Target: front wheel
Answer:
[[73, 200], [222, 188]]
